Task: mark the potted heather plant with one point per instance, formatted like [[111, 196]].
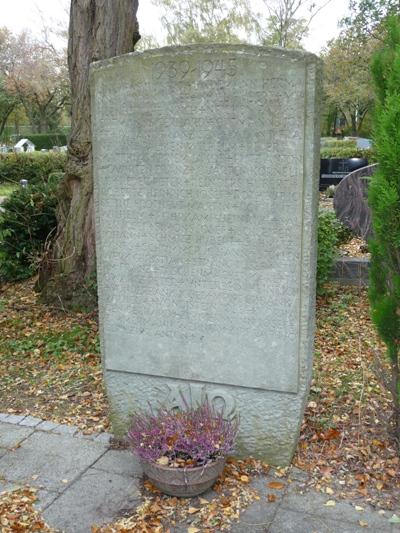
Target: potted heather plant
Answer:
[[182, 452]]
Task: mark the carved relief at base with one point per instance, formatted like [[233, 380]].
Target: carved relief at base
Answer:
[[196, 393]]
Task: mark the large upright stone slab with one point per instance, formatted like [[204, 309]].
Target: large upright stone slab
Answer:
[[206, 173]]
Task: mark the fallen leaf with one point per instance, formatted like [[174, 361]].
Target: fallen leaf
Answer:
[[271, 498], [193, 510], [244, 479], [330, 503], [362, 523], [277, 485]]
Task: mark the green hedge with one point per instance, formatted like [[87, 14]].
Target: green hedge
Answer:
[[331, 234], [45, 140], [332, 142], [27, 220], [34, 167], [346, 152]]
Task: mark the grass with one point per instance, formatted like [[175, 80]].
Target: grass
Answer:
[[7, 188]]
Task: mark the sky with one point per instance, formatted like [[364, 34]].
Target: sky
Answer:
[[18, 15]]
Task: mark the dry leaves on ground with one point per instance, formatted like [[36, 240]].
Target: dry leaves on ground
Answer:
[[17, 513], [49, 361], [345, 442], [356, 247], [159, 513]]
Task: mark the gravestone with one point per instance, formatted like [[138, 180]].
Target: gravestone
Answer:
[[351, 201], [206, 175]]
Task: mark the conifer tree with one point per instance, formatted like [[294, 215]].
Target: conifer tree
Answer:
[[384, 200]]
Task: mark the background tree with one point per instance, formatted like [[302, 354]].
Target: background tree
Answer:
[[186, 22], [366, 16], [35, 73], [348, 82], [288, 21], [8, 102], [99, 29], [384, 200]]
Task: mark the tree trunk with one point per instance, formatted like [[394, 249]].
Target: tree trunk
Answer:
[[99, 29], [4, 118]]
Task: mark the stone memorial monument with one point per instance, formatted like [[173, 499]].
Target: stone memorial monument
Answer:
[[206, 175]]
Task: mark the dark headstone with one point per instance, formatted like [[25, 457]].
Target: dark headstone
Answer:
[[333, 170], [350, 201]]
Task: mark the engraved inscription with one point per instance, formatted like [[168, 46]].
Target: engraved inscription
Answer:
[[206, 69], [205, 181]]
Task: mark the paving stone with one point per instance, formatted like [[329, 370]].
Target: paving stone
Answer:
[[63, 429], [56, 460], [96, 498], [80, 435], [287, 521], [120, 462], [30, 421], [104, 437], [47, 425], [7, 485], [256, 518], [45, 498], [3, 417], [296, 474], [11, 435], [314, 503], [15, 419]]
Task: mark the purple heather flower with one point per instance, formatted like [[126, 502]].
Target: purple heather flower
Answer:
[[197, 435]]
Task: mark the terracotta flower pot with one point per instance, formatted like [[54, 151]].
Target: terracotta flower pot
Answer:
[[183, 482]]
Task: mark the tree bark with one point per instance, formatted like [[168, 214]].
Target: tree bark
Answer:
[[99, 29]]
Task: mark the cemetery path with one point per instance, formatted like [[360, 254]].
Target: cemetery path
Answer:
[[80, 481]]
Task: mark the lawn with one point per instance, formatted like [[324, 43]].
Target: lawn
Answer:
[[50, 368]]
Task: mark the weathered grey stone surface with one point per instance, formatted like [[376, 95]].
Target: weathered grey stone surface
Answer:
[[351, 271], [121, 462], [46, 425], [54, 460], [206, 173], [30, 421], [11, 435], [97, 497]]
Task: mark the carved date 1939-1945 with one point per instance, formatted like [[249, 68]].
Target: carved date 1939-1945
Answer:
[[203, 69]]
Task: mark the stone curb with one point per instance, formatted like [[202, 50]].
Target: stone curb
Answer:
[[37, 424], [351, 271]]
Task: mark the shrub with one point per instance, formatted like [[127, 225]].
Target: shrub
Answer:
[[34, 167], [331, 233], [384, 201], [192, 437], [347, 152], [45, 140], [25, 224]]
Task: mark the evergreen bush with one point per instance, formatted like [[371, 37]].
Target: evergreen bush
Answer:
[[384, 201], [27, 220], [331, 233], [34, 167]]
